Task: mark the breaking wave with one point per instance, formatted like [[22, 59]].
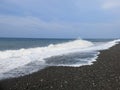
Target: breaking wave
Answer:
[[12, 59]]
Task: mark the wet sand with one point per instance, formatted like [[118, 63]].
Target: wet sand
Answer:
[[104, 74]]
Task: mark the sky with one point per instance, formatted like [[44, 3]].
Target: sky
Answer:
[[60, 18]]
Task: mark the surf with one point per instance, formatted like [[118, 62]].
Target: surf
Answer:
[[11, 59], [15, 59]]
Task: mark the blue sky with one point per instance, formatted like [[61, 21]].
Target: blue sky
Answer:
[[60, 18]]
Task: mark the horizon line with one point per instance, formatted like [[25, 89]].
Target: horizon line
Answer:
[[50, 38]]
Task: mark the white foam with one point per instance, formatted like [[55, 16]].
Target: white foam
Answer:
[[97, 47], [104, 46], [12, 59]]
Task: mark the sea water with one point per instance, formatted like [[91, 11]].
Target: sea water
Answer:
[[22, 56]]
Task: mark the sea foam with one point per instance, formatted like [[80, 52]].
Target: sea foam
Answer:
[[12, 59]]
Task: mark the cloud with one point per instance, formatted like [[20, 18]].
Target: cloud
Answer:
[[29, 26], [35, 22], [59, 18], [36, 27], [110, 4], [30, 22]]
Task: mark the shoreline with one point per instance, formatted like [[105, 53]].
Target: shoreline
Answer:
[[103, 74]]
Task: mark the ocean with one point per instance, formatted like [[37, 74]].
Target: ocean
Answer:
[[22, 56]]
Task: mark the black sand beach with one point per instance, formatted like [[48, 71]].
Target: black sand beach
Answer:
[[104, 74]]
